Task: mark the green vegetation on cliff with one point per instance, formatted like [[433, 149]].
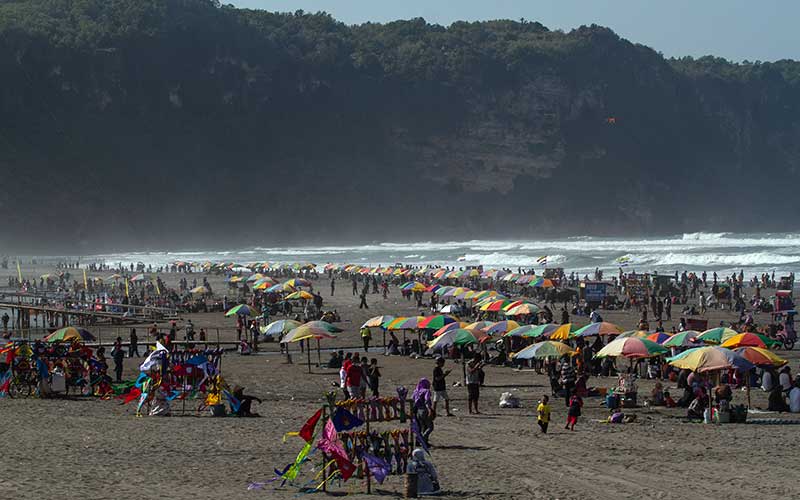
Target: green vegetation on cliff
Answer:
[[143, 122]]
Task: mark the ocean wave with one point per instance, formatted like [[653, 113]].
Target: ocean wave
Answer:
[[708, 260], [499, 259], [703, 236]]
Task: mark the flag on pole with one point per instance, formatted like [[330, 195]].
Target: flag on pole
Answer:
[[127, 290], [542, 261], [19, 271], [85, 283]]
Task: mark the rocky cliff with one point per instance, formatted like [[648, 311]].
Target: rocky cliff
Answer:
[[183, 123]]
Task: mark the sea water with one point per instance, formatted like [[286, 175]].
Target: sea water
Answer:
[[725, 253]]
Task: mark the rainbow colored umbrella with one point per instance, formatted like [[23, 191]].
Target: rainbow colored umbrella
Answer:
[[760, 357], [501, 327], [328, 327], [459, 337], [392, 325], [303, 332], [687, 338], [513, 304], [406, 323], [242, 310], [631, 347], [479, 325], [495, 305], [296, 283], [436, 322], [413, 286], [448, 327], [486, 294], [601, 328], [640, 334], [443, 290], [749, 340], [709, 358], [717, 335], [68, 334], [542, 283], [520, 332], [563, 332], [659, 337], [546, 349], [279, 327], [378, 322], [523, 309], [299, 295]]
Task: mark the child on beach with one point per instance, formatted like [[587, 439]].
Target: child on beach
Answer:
[[574, 411], [543, 414]]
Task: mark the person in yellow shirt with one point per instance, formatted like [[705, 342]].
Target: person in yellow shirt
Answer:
[[543, 414]]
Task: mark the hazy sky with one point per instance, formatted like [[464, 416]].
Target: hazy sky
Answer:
[[763, 30]]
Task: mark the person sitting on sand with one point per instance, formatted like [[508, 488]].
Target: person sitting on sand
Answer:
[[245, 401], [427, 478], [657, 395], [777, 400], [698, 405]]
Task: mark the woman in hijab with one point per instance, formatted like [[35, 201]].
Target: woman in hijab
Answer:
[[423, 408]]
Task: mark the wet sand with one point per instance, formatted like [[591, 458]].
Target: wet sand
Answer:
[[89, 448]]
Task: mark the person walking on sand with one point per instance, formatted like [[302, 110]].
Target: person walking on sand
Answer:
[[574, 411], [333, 286], [363, 304], [118, 354], [440, 387], [474, 383], [133, 346], [568, 378], [543, 414], [366, 337]]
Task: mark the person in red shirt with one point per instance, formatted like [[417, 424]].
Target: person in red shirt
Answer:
[[353, 380]]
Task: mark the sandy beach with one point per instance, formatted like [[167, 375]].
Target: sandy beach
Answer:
[[89, 448]]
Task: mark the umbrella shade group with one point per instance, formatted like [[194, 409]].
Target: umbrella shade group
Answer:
[[709, 358], [546, 349], [631, 347], [601, 328], [378, 322], [242, 310]]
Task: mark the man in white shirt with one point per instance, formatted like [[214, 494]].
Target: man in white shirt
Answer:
[[766, 381], [785, 379], [794, 400]]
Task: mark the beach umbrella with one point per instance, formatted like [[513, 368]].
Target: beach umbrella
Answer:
[[687, 338], [459, 337], [303, 332], [306, 332], [563, 332], [413, 286], [709, 358], [659, 337], [760, 357], [68, 334], [631, 347], [546, 349], [455, 291], [749, 340], [479, 325], [114, 277], [640, 334], [513, 304], [328, 327], [436, 322], [717, 335], [392, 325], [139, 277], [495, 305], [377, 322], [542, 330], [299, 295], [443, 290], [501, 327], [199, 290], [542, 283], [448, 327], [279, 327], [235, 279], [486, 294], [524, 309], [522, 331], [297, 282], [275, 288], [242, 310], [410, 323], [255, 277], [601, 328]]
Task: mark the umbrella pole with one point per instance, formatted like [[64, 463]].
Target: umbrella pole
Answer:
[[463, 365], [384, 340], [748, 387], [319, 355], [308, 352]]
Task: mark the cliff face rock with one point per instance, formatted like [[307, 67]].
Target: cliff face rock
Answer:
[[159, 122]]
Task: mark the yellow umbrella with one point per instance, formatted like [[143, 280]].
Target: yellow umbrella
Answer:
[[301, 295], [563, 332]]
